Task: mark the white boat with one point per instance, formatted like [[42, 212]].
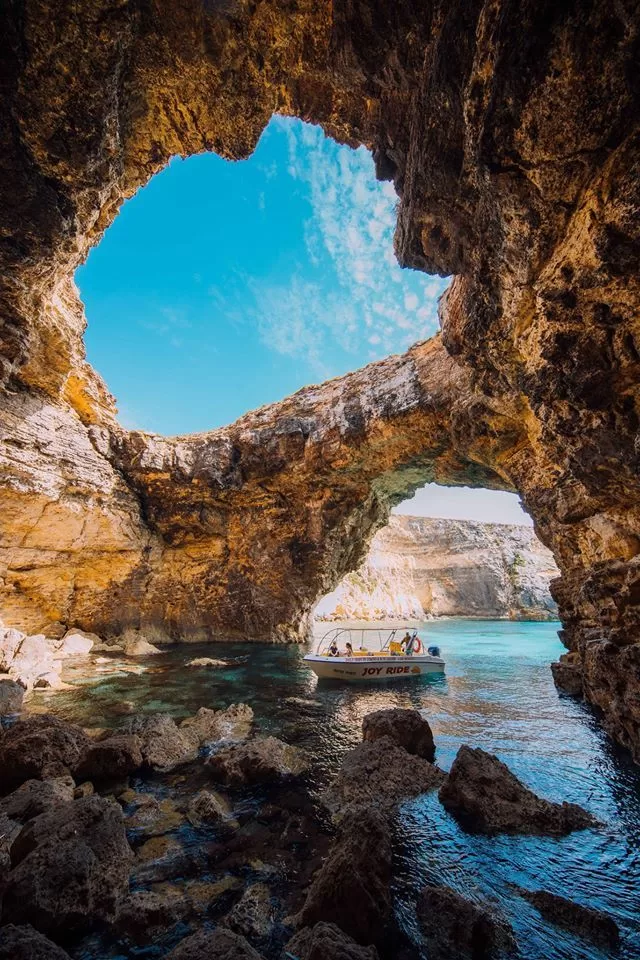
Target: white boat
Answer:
[[372, 654]]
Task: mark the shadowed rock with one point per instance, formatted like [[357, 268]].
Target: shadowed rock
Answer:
[[25, 943], [486, 797], [220, 943], [352, 887], [143, 914], [35, 797], [407, 728], [208, 808], [568, 675], [253, 916], [326, 941], [11, 696], [263, 760], [40, 746], [70, 867], [382, 774], [456, 927], [585, 922], [112, 758]]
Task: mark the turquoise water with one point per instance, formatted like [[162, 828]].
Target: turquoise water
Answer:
[[497, 694]]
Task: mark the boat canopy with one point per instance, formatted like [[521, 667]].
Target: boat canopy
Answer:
[[377, 638]]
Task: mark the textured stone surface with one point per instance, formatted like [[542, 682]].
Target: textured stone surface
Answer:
[[584, 921], [407, 728], [220, 943], [35, 797], [263, 760], [25, 943], [456, 927], [326, 941], [418, 567], [40, 746], [486, 797], [11, 696], [510, 133]]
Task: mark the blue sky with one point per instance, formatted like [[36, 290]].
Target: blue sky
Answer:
[[224, 286]]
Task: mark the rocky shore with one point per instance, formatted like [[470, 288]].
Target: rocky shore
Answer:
[[203, 837]]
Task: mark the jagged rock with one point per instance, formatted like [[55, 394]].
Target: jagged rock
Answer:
[[233, 723], [143, 914], [407, 728], [25, 943], [207, 809], [11, 696], [153, 818], [77, 643], [36, 662], [485, 796], [219, 943], [162, 744], [456, 927], [262, 760], [160, 858], [585, 922], [110, 759], [139, 647], [252, 916], [352, 887], [35, 797], [41, 746], [380, 773], [326, 941], [10, 640], [70, 866], [568, 676]]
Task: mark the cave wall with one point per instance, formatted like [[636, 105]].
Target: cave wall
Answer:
[[510, 131]]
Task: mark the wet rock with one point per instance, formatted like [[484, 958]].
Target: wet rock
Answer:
[[160, 858], [206, 662], [202, 895], [70, 867], [219, 943], [568, 676], [263, 760], [154, 818], [326, 941], [352, 888], [252, 916], [85, 789], [486, 797], [35, 797], [124, 708], [162, 744], [39, 746], [11, 696], [209, 809], [111, 759], [143, 914], [25, 943], [585, 922], [77, 643], [407, 729], [456, 927], [208, 726], [379, 773]]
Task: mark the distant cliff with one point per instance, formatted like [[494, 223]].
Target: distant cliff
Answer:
[[420, 567]]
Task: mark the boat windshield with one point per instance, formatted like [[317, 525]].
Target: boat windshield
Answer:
[[363, 640]]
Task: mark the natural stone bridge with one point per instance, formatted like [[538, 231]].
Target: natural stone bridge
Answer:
[[511, 134]]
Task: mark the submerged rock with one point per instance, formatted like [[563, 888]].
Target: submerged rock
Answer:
[[380, 773], [586, 922], [153, 818], [143, 914], [70, 867], [40, 746], [352, 887], [206, 662], [262, 760], [456, 927], [407, 728], [208, 808], [220, 944], [11, 696], [25, 943], [160, 858], [326, 941], [486, 797]]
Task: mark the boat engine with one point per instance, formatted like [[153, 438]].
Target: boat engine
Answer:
[[433, 651]]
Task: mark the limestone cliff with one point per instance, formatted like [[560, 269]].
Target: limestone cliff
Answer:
[[510, 131], [418, 567]]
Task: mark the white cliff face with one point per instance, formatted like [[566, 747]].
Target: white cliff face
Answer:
[[418, 567]]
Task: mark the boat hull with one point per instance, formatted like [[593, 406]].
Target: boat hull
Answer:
[[376, 669]]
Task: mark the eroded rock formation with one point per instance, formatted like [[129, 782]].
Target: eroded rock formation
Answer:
[[511, 134], [418, 567]]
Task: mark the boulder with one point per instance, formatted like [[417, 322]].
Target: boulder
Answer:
[[220, 944], [154, 818], [585, 922], [252, 916], [77, 643], [25, 943], [206, 662], [407, 729], [568, 677], [40, 746], [326, 941], [10, 640], [163, 745], [352, 887], [110, 759], [11, 696], [160, 858], [486, 797], [136, 646], [144, 914], [35, 797], [263, 760], [70, 867], [36, 659], [209, 726], [456, 927], [208, 809], [380, 773]]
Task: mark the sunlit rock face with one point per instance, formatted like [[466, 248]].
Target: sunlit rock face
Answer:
[[510, 132], [419, 567]]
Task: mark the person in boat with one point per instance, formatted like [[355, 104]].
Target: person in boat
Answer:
[[333, 649], [349, 652], [408, 642]]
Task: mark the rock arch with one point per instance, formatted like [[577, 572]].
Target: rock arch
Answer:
[[511, 133]]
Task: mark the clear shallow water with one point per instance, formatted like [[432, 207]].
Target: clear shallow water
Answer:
[[498, 694]]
